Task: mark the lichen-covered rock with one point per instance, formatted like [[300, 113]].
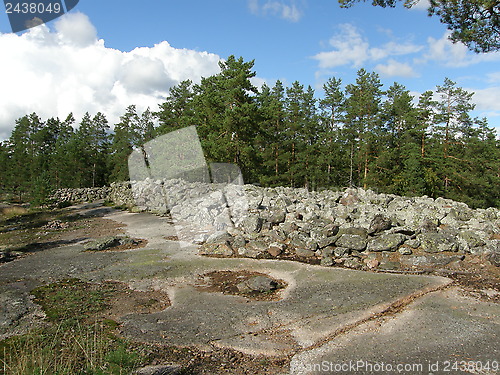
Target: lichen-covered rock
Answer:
[[379, 224], [469, 239], [102, 243], [216, 249], [437, 242], [260, 284], [352, 241], [386, 242], [438, 260]]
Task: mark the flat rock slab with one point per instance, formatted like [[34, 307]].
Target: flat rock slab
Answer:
[[440, 333], [316, 303]]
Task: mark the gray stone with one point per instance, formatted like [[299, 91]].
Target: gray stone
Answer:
[[325, 241], [436, 242], [304, 253], [358, 231], [102, 243], [428, 226], [389, 265], [413, 243], [352, 241], [469, 239], [238, 241], [159, 370], [328, 251], [276, 216], [258, 245], [341, 251], [219, 237], [261, 284], [288, 228], [431, 260], [405, 250], [352, 263], [276, 249], [216, 249], [386, 242], [252, 224], [298, 239], [327, 261], [379, 224]]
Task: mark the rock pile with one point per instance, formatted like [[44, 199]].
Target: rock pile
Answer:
[[80, 195], [358, 229], [355, 228]]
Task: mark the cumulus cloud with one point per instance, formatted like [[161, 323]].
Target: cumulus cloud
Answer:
[[75, 28], [450, 54], [394, 68], [351, 48], [288, 12], [69, 69], [486, 99]]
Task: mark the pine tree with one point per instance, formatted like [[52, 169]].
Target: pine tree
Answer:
[[332, 151], [272, 107], [177, 111], [362, 121], [228, 116], [453, 122]]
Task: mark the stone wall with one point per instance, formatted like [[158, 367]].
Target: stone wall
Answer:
[[80, 195], [355, 228]]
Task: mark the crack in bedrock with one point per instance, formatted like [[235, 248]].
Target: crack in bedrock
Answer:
[[392, 309]]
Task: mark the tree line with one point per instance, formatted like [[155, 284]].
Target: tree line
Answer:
[[358, 134]]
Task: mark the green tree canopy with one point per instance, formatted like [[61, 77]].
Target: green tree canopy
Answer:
[[476, 23]]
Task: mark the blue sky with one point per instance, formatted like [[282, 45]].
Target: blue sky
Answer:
[[108, 54]]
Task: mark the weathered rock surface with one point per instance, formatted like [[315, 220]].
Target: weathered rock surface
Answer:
[[259, 284], [386, 242], [159, 370]]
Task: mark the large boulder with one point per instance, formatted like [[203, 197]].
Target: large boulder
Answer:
[[386, 242], [379, 224], [437, 242], [352, 241]]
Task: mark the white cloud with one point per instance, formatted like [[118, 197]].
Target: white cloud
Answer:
[[394, 68], [76, 28], [486, 99], [68, 70], [351, 48], [493, 77], [288, 12], [455, 55]]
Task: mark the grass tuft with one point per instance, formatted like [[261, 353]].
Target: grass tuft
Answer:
[[73, 341]]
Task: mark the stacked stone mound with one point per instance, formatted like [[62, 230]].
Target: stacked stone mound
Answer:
[[80, 195], [359, 229], [355, 228], [120, 193]]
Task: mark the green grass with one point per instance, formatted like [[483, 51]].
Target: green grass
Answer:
[[73, 340]]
